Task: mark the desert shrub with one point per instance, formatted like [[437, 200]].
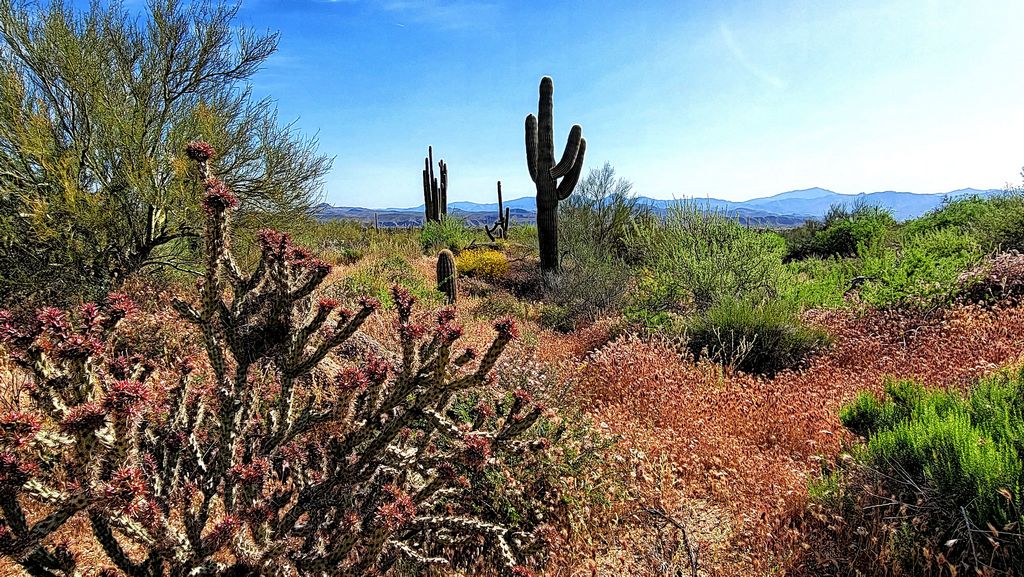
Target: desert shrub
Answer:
[[599, 213], [762, 338], [449, 233], [523, 235], [821, 282], [271, 455], [487, 264], [922, 272], [594, 223], [501, 304], [951, 464], [697, 257], [841, 233], [376, 275], [996, 222], [592, 282]]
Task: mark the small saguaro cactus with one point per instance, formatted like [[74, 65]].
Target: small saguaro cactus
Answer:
[[435, 188], [540, 159], [500, 228], [447, 276]]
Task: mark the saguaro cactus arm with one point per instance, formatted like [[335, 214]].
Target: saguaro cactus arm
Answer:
[[531, 145], [569, 155], [568, 183]]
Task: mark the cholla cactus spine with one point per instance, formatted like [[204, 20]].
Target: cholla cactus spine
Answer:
[[447, 276]]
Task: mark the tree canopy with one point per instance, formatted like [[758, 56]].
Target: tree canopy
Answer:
[[96, 107]]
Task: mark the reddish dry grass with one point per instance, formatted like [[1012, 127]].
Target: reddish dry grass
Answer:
[[749, 446]]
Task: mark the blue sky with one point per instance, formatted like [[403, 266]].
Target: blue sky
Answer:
[[727, 99]]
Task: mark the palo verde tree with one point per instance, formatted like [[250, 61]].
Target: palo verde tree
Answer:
[[95, 109]]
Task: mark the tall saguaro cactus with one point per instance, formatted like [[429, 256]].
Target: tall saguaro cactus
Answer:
[[540, 158], [435, 188]]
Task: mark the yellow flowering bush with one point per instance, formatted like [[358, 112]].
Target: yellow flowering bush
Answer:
[[487, 264]]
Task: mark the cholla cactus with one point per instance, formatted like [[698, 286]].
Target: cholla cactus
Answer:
[[270, 462]]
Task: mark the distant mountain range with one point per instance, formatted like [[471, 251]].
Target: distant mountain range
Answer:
[[785, 209]]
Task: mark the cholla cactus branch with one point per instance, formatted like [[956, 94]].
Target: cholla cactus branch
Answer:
[[272, 458]]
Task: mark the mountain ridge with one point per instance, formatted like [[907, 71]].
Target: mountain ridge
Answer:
[[783, 209]]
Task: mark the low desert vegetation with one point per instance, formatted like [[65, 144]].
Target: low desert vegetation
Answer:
[[201, 376]]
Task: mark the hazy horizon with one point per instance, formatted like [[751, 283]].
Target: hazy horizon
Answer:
[[734, 101]]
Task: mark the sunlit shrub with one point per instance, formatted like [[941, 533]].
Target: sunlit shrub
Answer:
[[841, 233], [449, 233], [953, 463], [696, 257], [922, 272], [487, 264]]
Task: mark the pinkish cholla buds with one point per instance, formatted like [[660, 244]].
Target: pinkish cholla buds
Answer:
[[478, 451], [14, 472], [445, 315], [199, 150], [252, 473], [78, 347], [84, 419], [448, 333], [221, 533], [18, 428], [523, 396], [351, 379], [376, 369], [403, 300], [124, 397], [447, 471], [90, 313], [327, 304], [369, 303], [126, 486], [53, 321], [398, 513], [507, 328], [522, 571], [218, 196], [484, 409], [411, 331]]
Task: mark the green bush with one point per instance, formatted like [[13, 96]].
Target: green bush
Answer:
[[921, 272], [843, 231], [696, 257], [996, 222], [450, 233], [376, 277], [762, 338], [967, 453]]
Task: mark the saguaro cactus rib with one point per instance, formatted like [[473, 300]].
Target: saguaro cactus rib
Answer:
[[540, 160]]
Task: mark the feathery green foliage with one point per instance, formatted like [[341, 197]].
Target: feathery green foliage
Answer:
[[968, 450], [95, 109]]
